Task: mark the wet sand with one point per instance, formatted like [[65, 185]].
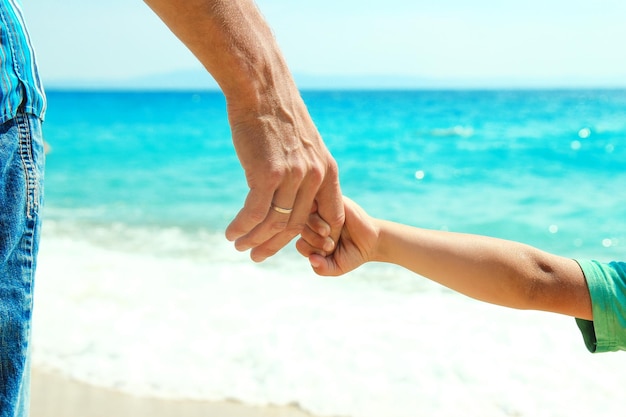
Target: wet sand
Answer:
[[54, 395]]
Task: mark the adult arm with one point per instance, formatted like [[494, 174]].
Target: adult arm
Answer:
[[284, 158]]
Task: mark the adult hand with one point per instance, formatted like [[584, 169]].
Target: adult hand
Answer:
[[289, 171], [287, 166]]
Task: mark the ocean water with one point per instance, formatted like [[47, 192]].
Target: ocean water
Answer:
[[138, 290]]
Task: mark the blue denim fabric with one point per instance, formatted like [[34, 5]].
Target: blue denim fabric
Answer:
[[21, 196]]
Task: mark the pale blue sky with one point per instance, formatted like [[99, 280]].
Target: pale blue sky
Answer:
[[580, 40]]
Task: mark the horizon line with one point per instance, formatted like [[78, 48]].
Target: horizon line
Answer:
[[199, 79]]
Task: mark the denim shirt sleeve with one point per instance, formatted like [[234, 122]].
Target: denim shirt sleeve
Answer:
[[20, 84], [607, 287]]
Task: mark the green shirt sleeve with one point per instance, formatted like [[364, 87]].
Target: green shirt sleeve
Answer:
[[607, 287]]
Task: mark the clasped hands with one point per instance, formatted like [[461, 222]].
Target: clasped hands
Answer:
[[290, 174], [294, 190]]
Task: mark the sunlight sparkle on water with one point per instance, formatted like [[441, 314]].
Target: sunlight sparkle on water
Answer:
[[584, 133]]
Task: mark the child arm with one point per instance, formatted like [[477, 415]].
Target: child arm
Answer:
[[493, 270]]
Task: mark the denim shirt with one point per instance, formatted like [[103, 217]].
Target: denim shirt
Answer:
[[20, 85]]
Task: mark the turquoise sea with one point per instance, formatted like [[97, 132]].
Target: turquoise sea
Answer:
[[516, 164], [139, 290]]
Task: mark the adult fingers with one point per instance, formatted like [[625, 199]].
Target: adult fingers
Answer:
[[252, 213], [330, 204], [274, 213], [281, 228]]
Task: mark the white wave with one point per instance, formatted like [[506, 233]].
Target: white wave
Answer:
[[462, 131], [153, 323]]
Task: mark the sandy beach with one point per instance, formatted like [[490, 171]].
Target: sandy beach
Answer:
[[54, 395]]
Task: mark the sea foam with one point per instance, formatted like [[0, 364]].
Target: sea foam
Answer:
[[380, 341]]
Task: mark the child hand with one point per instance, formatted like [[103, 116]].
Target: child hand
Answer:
[[356, 245]]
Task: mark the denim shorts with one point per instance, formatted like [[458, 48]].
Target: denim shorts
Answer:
[[21, 197]]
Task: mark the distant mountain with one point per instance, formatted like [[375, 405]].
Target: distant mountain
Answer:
[[179, 80], [201, 80]]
